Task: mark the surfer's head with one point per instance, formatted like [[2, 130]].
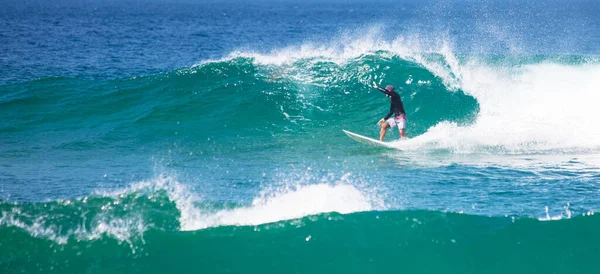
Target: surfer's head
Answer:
[[389, 88]]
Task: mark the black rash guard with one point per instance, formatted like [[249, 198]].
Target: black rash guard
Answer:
[[396, 108]]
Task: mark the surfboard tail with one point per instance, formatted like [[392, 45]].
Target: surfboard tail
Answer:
[[365, 140]]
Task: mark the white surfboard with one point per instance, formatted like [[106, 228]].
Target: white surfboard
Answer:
[[367, 140]]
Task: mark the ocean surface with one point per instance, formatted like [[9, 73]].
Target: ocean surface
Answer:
[[206, 136]]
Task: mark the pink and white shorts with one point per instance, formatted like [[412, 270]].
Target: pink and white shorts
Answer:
[[398, 121]]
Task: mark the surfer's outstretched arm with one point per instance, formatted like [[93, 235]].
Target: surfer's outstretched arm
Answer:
[[385, 91]]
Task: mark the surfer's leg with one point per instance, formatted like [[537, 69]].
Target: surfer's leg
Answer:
[[401, 123], [384, 127]]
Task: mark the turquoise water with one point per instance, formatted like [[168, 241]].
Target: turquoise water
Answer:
[[207, 137]]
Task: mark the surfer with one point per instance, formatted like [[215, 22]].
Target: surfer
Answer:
[[396, 108]]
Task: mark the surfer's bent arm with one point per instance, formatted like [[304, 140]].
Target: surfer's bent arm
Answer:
[[388, 115]]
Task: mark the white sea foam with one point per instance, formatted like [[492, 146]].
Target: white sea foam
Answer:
[[567, 214], [271, 205], [303, 201], [527, 109], [36, 228], [123, 229]]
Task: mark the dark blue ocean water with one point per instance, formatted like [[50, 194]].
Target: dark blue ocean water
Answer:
[[127, 125]]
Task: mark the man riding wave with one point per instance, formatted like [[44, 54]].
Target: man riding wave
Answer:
[[396, 109]]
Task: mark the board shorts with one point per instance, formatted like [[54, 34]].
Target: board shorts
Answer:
[[398, 121]]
